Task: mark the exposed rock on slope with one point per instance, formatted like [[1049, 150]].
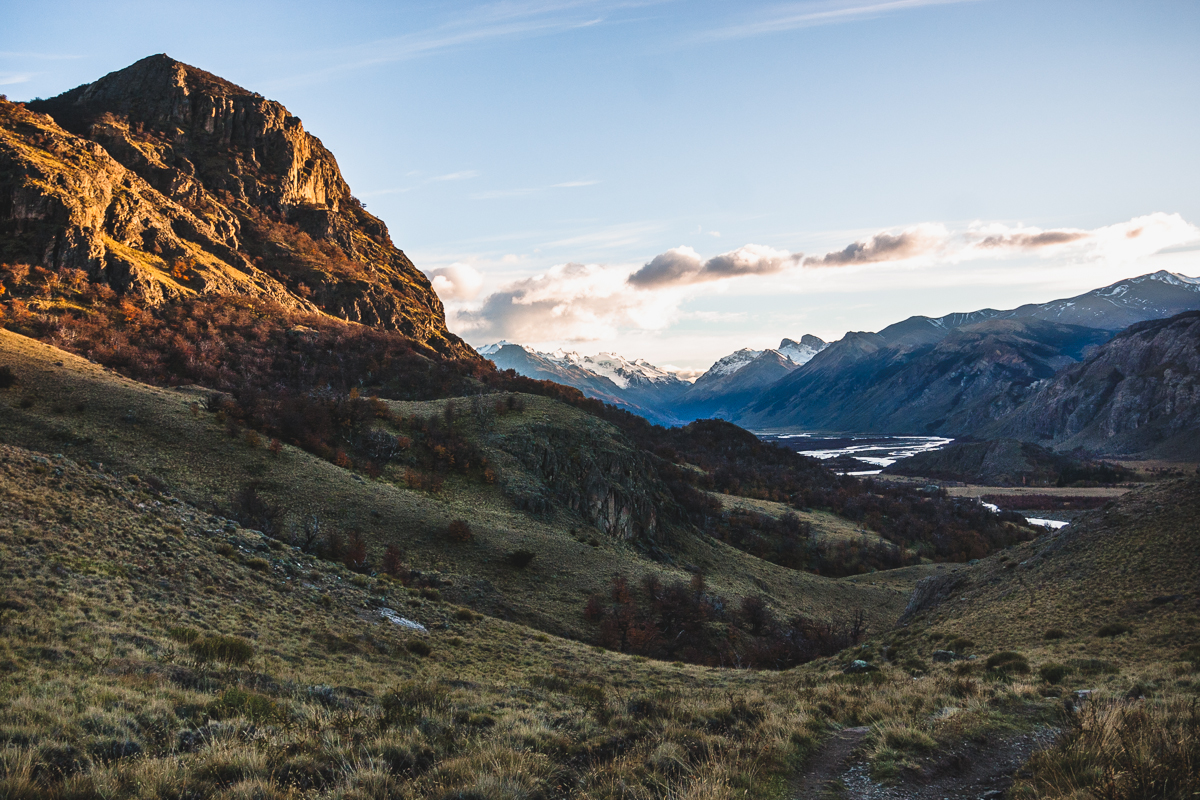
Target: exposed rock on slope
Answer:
[[162, 180], [1139, 393]]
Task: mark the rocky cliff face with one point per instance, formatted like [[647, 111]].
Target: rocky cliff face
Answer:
[[1139, 393], [595, 472], [162, 180]]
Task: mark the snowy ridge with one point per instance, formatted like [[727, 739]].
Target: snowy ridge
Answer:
[[801, 352], [492, 349], [733, 362], [618, 369]]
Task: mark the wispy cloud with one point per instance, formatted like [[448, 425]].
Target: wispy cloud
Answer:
[[9, 78], [500, 194], [479, 25], [457, 176], [807, 15]]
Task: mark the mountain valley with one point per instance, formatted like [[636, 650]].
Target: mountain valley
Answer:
[[269, 530]]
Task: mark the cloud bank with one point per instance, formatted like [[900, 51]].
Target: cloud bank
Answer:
[[585, 302]]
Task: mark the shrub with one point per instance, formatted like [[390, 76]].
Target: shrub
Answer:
[[227, 649], [1008, 662], [418, 647], [1052, 634], [7, 378], [520, 558], [393, 560], [1095, 666], [411, 700], [1051, 672], [259, 565], [961, 646], [1120, 751], [459, 531], [183, 634], [1114, 629], [237, 702]]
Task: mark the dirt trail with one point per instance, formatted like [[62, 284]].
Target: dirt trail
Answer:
[[973, 770], [827, 767]]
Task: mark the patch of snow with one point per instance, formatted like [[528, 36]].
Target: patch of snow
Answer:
[[396, 619], [1053, 524]]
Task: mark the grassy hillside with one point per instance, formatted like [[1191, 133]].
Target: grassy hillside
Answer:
[[91, 414]]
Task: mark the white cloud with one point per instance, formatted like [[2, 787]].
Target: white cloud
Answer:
[[911, 242], [793, 16], [1125, 241], [456, 282], [569, 302], [457, 176], [10, 78], [682, 265]]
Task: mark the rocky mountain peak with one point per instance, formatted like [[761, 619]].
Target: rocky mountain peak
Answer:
[[199, 186]]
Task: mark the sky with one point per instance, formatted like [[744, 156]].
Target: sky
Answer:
[[677, 180]]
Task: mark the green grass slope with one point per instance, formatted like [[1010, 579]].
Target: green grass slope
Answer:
[[63, 403]]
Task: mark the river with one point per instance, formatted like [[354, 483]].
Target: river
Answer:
[[878, 450]]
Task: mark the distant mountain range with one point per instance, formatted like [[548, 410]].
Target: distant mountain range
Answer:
[[658, 394], [1050, 372]]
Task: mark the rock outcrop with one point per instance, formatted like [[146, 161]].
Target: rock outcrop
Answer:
[[1138, 394], [595, 472], [161, 180]]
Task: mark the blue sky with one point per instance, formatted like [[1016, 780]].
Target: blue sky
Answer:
[[532, 156]]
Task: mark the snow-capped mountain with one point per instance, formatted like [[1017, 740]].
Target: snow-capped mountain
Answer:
[[798, 353], [740, 377], [801, 352], [636, 385], [618, 369], [731, 363]]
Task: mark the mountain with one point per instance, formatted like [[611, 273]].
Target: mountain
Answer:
[[161, 182], [1137, 394], [637, 386], [735, 380], [802, 352], [956, 374], [966, 379]]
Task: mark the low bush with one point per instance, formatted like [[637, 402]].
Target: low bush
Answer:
[[418, 647], [237, 702], [183, 634], [412, 700], [520, 558], [1052, 634], [459, 531], [1008, 662], [1051, 672], [230, 650], [1114, 629], [7, 378], [1119, 751]]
